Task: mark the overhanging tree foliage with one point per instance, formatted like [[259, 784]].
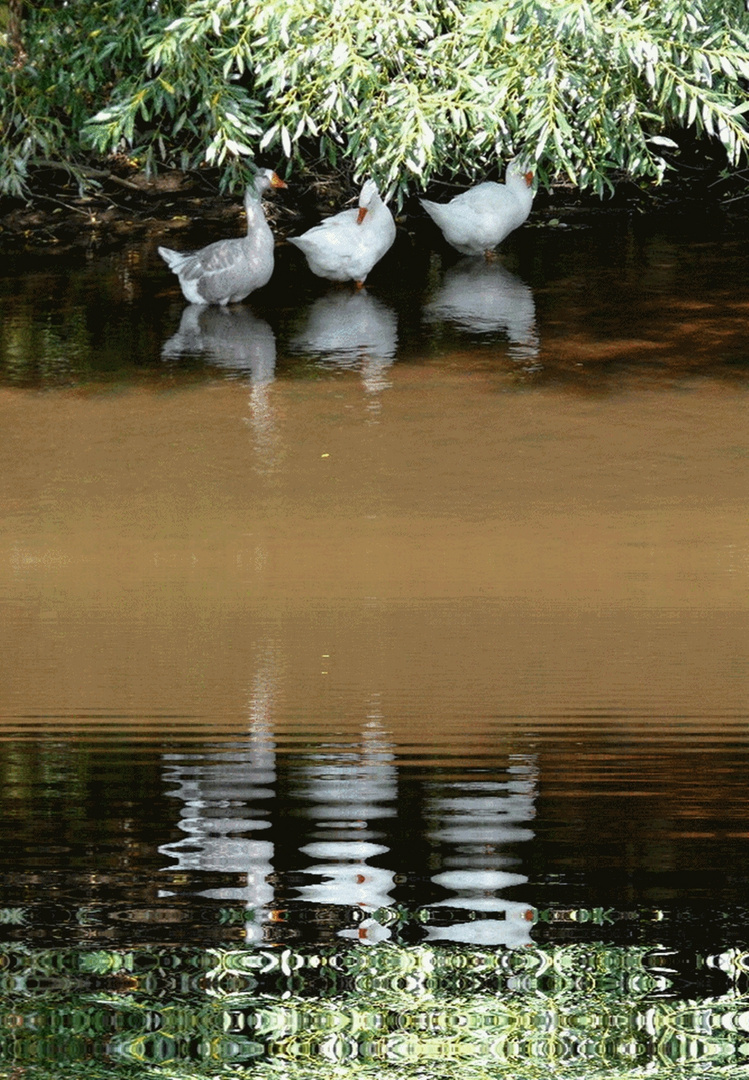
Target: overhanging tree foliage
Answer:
[[402, 90]]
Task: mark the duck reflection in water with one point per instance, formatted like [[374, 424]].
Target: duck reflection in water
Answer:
[[351, 330], [486, 298], [230, 338]]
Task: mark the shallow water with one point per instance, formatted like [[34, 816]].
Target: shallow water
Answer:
[[375, 664]]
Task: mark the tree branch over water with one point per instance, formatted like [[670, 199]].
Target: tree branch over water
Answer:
[[407, 91]]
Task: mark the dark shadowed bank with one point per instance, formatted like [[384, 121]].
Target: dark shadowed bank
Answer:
[[126, 204]]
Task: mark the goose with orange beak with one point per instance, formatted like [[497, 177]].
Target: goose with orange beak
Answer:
[[227, 271], [479, 219], [346, 246]]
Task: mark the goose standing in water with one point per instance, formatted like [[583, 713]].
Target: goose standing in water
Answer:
[[346, 246], [227, 271], [479, 219]]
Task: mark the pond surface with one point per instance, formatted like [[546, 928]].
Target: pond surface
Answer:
[[375, 665]]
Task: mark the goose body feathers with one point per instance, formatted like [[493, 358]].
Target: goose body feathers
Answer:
[[479, 219], [347, 245], [227, 271]]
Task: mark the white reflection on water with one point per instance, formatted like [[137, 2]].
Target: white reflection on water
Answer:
[[485, 298], [237, 341], [346, 792], [336, 810], [345, 799], [351, 330], [347, 878], [268, 445], [209, 785], [474, 821], [206, 787], [230, 338]]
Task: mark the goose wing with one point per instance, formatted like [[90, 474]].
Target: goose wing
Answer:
[[216, 258]]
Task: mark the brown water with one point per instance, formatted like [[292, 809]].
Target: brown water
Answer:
[[411, 616], [463, 548]]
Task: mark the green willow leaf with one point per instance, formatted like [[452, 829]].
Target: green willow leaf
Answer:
[[404, 90]]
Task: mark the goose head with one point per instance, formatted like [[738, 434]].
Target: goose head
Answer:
[[518, 172], [368, 196], [264, 180]]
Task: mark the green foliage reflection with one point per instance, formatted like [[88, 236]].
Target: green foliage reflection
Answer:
[[580, 1010]]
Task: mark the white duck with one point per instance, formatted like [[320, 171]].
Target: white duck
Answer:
[[227, 271], [346, 246], [480, 218]]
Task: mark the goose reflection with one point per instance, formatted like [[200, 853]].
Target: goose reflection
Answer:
[[485, 298], [350, 797], [474, 823], [224, 794], [237, 341], [229, 338], [351, 330]]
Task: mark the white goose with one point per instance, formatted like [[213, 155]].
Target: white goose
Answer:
[[227, 271], [479, 219], [346, 246]]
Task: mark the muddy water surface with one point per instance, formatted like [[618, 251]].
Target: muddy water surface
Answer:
[[537, 551]]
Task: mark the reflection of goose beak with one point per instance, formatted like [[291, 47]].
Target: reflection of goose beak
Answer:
[[361, 215], [276, 181], [528, 178]]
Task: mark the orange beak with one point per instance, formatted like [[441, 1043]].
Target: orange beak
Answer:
[[276, 181], [361, 215], [528, 178]]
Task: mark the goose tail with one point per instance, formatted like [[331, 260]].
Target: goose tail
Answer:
[[433, 209], [175, 260]]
